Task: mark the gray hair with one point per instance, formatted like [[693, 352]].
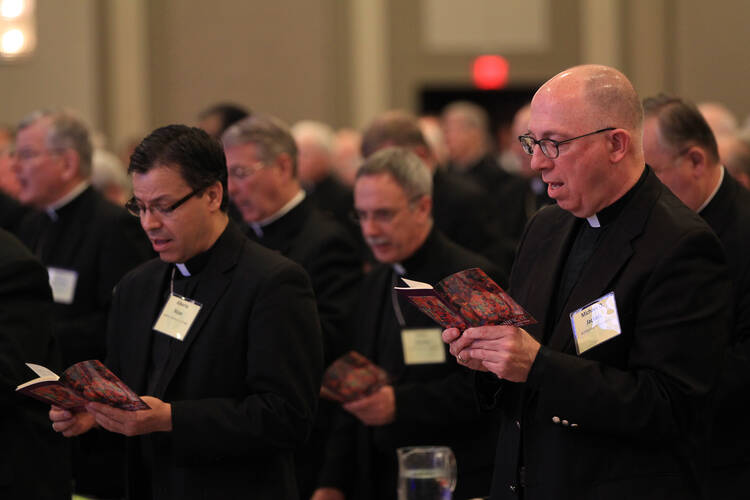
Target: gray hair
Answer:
[[269, 134], [320, 133], [406, 168], [471, 114], [66, 131]]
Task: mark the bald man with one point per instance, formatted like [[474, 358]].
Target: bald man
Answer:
[[605, 397], [681, 148]]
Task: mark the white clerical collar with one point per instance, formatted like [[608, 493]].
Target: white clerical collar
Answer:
[[183, 269], [257, 227], [69, 196], [713, 193], [593, 221]]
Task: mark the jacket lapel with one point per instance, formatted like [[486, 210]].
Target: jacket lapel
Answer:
[[212, 286], [609, 258]]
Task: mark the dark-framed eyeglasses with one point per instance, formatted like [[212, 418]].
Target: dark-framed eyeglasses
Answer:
[[550, 147], [138, 209]]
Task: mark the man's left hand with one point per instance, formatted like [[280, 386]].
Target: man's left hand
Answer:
[[134, 423], [507, 351], [378, 408]]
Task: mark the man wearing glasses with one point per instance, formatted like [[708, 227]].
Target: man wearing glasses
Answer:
[[219, 333], [606, 397], [429, 400], [87, 245]]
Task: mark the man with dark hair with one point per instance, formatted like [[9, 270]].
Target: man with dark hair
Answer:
[[35, 462], [680, 146], [219, 117], [459, 206], [428, 400], [263, 183], [87, 245], [607, 396], [220, 333]]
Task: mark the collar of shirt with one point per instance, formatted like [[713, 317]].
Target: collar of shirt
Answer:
[[713, 193], [608, 214], [69, 196], [257, 227]]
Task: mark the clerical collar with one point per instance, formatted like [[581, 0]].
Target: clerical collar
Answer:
[[608, 214], [69, 196], [414, 260], [713, 193], [257, 227], [197, 263]]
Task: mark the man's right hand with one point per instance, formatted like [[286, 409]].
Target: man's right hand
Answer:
[[328, 494], [70, 424]]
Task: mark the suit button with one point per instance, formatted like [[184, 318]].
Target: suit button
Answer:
[[565, 423], [556, 420], [518, 424], [513, 488]]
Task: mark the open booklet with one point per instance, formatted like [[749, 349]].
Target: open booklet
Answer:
[[351, 377], [466, 299], [83, 382]]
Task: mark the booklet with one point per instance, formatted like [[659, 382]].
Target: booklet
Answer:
[[466, 299], [351, 377], [83, 382]]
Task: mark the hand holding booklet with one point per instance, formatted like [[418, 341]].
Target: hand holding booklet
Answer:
[[466, 299], [351, 377], [83, 382]]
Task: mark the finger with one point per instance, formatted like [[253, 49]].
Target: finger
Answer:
[[490, 332], [108, 423], [109, 411], [450, 335], [58, 414]]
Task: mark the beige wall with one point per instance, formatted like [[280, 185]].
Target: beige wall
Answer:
[[130, 65]]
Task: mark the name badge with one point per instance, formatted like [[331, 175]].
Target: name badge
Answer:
[[63, 284], [595, 323], [177, 317], [422, 346]]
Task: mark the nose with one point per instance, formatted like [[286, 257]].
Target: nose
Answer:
[[538, 160], [149, 221], [369, 227]]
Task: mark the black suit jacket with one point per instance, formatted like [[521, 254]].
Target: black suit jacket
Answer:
[[244, 383], [12, 213], [627, 418], [34, 462], [434, 402], [324, 249], [728, 214], [101, 242]]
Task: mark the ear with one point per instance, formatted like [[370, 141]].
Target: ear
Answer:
[[71, 164], [424, 206], [215, 194], [619, 143], [698, 161], [285, 165]]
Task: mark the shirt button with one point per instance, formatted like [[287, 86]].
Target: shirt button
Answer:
[[556, 420]]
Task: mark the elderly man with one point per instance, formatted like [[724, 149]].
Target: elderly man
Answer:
[[232, 387], [680, 147], [465, 126], [87, 245], [264, 185], [459, 207], [606, 396], [429, 401]]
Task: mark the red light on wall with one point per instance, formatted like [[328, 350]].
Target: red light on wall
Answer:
[[490, 72]]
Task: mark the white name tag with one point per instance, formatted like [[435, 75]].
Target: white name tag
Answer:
[[63, 284], [422, 346], [595, 323], [177, 317]]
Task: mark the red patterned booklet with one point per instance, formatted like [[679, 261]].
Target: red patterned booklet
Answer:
[[465, 299], [350, 377], [83, 382]]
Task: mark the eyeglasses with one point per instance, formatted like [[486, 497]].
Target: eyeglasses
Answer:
[[550, 147], [138, 209], [379, 215], [241, 172], [24, 155]]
